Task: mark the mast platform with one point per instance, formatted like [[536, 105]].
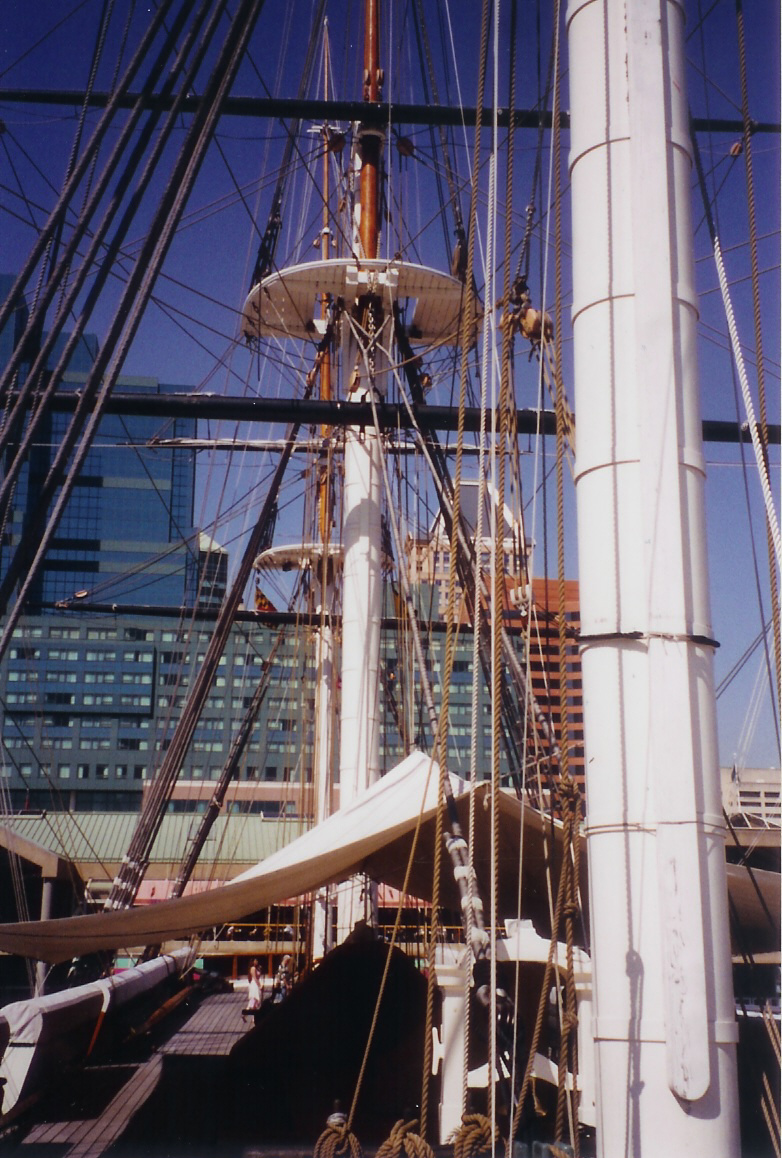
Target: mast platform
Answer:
[[286, 302]]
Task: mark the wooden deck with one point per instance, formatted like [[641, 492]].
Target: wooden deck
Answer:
[[91, 1117]]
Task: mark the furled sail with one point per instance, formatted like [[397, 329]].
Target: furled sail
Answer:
[[374, 835]]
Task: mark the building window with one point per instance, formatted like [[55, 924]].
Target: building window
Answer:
[[131, 744], [64, 771], [138, 635], [25, 653], [101, 771], [82, 771]]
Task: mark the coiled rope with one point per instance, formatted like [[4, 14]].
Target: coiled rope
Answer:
[[474, 1136], [337, 1140], [402, 1137]]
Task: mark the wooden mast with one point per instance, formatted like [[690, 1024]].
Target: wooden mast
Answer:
[[371, 142]]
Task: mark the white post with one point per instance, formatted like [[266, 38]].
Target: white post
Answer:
[[664, 1014], [359, 748], [452, 1045], [323, 763], [41, 968]]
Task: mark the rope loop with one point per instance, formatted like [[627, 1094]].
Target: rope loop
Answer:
[[569, 1022], [567, 789], [474, 1136], [403, 1138], [337, 1141]]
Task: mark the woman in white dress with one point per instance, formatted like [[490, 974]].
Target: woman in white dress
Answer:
[[254, 987]]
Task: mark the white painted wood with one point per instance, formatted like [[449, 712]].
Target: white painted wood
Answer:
[[663, 1004], [286, 302]]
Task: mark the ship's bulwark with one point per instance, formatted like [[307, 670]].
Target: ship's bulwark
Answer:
[[374, 835]]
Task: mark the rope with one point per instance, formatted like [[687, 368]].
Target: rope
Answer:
[[474, 1136], [753, 251], [402, 1138], [498, 555], [336, 1141], [752, 423], [567, 1107], [467, 337]]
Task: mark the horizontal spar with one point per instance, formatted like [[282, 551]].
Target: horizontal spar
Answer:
[[338, 413], [293, 108]]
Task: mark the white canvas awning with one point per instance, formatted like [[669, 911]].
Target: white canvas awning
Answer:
[[374, 835]]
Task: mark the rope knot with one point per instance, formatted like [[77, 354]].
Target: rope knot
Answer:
[[337, 1141], [567, 788], [474, 1136], [403, 1138], [569, 1022]]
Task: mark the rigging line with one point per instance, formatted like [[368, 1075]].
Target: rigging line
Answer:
[[37, 316], [265, 261], [446, 153], [756, 568], [708, 79], [42, 39], [132, 304], [758, 440], [718, 338], [728, 679], [21, 194], [231, 766], [15, 866], [70, 187], [524, 250], [417, 19], [477, 663], [472, 908], [434, 456], [134, 864], [442, 747], [740, 280], [772, 233], [702, 17], [100, 40], [761, 385], [728, 163], [567, 1106], [56, 793], [751, 715]]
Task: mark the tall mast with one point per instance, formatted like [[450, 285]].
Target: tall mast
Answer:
[[324, 573], [665, 1027], [359, 756]]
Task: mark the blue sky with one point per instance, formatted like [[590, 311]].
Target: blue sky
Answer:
[[189, 335]]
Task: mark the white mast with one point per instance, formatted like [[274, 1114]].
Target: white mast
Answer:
[[362, 589], [664, 1015]]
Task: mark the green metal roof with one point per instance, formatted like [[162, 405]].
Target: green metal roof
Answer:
[[96, 841]]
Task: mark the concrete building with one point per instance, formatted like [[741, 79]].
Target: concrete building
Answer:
[[751, 796]]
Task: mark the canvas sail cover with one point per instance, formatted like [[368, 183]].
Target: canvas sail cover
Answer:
[[374, 835]]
